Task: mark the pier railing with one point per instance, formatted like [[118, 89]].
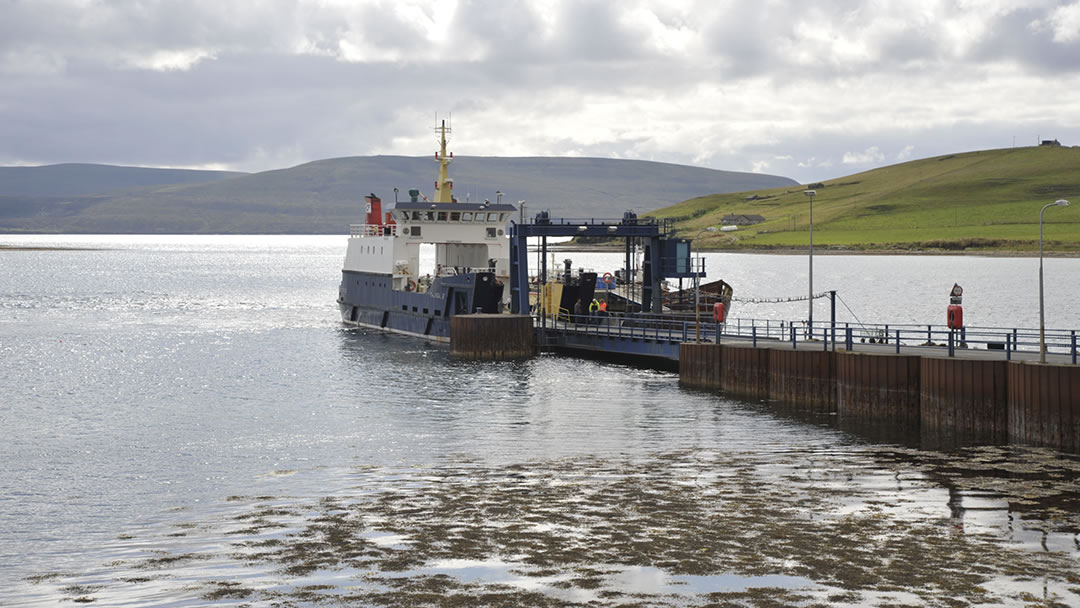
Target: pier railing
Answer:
[[993, 341]]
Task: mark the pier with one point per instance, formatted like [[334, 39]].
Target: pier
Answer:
[[970, 385]]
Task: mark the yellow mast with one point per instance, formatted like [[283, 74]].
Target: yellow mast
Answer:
[[444, 187]]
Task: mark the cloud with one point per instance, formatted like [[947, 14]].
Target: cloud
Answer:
[[869, 156], [1063, 21], [784, 86]]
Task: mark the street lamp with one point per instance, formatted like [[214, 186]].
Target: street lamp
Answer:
[[1042, 315], [810, 319], [697, 285]]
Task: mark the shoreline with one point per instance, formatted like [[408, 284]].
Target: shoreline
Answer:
[[825, 251], [4, 247], [1004, 253]]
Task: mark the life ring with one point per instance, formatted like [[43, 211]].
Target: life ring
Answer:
[[410, 286], [608, 279]]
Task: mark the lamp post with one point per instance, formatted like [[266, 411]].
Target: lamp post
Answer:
[[697, 285], [1042, 314], [810, 318]]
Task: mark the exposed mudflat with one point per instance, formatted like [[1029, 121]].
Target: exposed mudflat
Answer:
[[889, 527]]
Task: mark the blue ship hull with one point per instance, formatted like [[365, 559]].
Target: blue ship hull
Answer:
[[368, 300]]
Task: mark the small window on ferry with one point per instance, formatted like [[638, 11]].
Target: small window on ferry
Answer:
[[416, 231], [493, 217], [442, 216], [438, 313], [502, 217], [429, 216], [491, 232], [479, 216], [416, 215], [467, 216], [455, 216]]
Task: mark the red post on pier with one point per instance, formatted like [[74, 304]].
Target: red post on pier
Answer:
[[955, 314]]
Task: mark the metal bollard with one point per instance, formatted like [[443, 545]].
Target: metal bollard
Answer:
[[753, 335], [951, 334], [793, 345]]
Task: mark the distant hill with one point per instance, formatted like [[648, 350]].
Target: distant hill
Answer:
[[323, 197], [986, 200], [84, 179]]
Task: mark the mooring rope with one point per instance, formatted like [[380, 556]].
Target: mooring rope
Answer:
[[779, 300], [861, 324], [800, 299]]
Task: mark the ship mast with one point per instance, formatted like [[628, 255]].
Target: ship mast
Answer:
[[444, 187]]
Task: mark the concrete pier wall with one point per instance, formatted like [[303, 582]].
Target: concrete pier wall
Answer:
[[969, 400]]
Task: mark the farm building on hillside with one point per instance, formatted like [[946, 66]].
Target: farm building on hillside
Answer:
[[741, 219]]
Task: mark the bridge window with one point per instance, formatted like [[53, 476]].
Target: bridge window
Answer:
[[493, 217], [429, 216], [455, 216], [467, 216]]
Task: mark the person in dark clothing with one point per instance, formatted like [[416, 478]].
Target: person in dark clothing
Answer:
[[579, 311]]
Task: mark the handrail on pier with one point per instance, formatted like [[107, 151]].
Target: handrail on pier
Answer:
[[915, 338]]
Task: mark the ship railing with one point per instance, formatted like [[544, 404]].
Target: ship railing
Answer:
[[362, 230], [451, 271]]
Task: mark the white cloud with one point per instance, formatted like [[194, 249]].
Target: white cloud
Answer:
[[869, 156], [781, 86], [1065, 21], [165, 61]]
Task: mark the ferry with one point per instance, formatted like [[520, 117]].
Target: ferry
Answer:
[[382, 283]]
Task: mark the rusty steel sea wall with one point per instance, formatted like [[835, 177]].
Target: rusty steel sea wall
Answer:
[[492, 337], [965, 400]]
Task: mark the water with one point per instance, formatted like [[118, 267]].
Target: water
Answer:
[[159, 390]]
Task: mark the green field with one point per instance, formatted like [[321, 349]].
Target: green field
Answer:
[[977, 201]]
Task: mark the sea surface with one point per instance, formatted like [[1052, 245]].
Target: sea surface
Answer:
[[155, 390]]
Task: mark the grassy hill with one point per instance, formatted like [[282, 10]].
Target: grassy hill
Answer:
[[323, 197], [977, 201]]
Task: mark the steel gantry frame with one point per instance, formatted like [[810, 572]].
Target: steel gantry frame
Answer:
[[665, 257]]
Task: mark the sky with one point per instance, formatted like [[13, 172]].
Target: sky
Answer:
[[806, 90]]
